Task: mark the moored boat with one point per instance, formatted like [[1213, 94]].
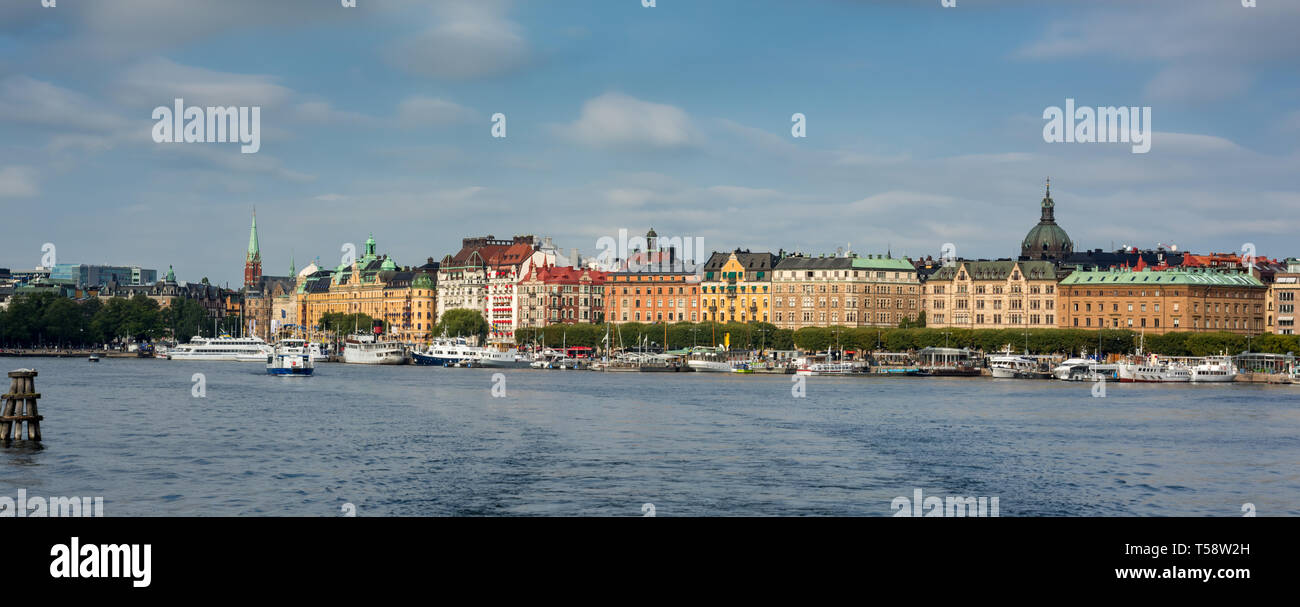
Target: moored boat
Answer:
[[223, 348], [292, 357], [364, 349], [1214, 369], [1152, 370]]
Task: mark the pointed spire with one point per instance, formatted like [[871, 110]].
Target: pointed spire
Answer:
[[254, 252], [293, 265]]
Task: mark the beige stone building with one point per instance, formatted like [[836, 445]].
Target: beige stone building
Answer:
[[848, 290], [992, 295]]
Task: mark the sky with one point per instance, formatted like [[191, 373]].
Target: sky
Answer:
[[924, 126]]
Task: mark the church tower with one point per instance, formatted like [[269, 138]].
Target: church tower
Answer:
[[253, 260]]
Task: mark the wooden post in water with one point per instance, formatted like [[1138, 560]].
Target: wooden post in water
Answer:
[[20, 408]]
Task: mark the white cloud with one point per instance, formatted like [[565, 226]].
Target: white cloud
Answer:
[[323, 112], [17, 182], [471, 39], [157, 81], [618, 120], [431, 111], [1198, 82], [27, 100]]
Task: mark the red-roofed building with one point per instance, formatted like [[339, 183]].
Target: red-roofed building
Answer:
[[484, 275], [559, 295]]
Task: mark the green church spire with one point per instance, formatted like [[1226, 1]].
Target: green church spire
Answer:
[[254, 253]]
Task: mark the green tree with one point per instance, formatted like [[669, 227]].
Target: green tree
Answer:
[[461, 322]]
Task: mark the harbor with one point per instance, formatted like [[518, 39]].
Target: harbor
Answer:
[[705, 444]]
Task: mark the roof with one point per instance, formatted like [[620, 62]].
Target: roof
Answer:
[[757, 262], [1161, 277], [997, 270], [852, 262]]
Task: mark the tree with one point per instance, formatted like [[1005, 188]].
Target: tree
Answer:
[[462, 322]]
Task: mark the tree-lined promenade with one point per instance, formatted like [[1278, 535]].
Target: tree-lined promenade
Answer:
[[44, 320], [866, 339]]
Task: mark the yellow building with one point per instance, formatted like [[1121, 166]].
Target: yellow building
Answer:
[[405, 299], [736, 287]]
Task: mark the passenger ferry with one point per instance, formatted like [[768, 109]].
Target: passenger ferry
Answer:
[[363, 349], [1214, 369], [1152, 370], [223, 348], [292, 358]]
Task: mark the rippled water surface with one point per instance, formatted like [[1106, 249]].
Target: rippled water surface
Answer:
[[431, 441]]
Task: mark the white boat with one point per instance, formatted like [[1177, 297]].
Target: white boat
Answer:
[[292, 358], [1153, 371], [1007, 366], [1089, 371], [364, 349], [827, 369], [708, 360], [1062, 371], [445, 352], [94, 358], [1214, 369], [497, 359], [223, 348]]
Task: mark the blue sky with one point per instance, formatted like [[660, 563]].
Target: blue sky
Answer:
[[924, 126]]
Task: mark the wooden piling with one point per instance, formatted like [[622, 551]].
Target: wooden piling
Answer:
[[20, 410]]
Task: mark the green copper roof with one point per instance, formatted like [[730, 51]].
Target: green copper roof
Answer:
[[388, 264], [254, 253], [1155, 278], [1047, 238], [171, 275]]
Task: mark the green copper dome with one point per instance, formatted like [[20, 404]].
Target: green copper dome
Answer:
[[1047, 240], [388, 264]]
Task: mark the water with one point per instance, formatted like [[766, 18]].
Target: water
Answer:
[[432, 441]]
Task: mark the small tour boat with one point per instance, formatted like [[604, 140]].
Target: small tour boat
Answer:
[[291, 358]]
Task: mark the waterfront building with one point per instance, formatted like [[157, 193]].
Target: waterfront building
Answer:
[[1281, 298], [1047, 240], [654, 285], [484, 276], [848, 290], [404, 298], [736, 287], [1159, 301], [210, 297], [551, 295], [83, 275], [1001, 294]]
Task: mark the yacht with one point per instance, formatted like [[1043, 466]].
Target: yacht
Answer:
[[1152, 370], [1214, 369], [292, 358], [223, 348], [364, 349], [708, 361], [484, 357], [1063, 370], [1008, 366], [445, 352]]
